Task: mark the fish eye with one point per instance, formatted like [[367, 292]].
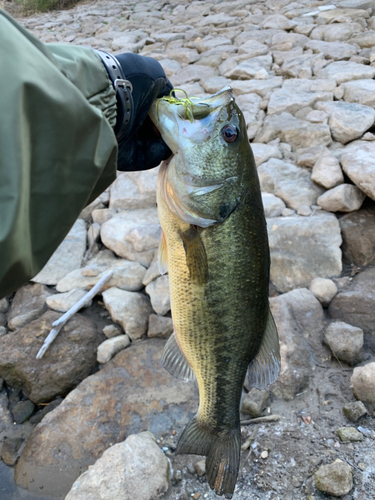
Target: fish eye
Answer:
[[229, 133]]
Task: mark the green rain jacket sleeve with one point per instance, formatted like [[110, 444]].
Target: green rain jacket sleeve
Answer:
[[58, 151]]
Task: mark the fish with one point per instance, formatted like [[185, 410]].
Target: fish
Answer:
[[214, 245]]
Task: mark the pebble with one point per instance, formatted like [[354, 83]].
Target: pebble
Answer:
[[349, 434], [10, 450], [255, 402], [335, 479], [324, 290], [354, 411], [345, 341], [111, 331], [200, 467], [111, 347], [22, 411], [362, 384]]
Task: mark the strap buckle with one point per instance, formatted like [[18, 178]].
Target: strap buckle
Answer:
[[119, 82]]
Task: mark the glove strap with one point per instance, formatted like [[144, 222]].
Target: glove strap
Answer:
[[123, 89]]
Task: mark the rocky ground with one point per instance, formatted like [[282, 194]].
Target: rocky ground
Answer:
[[303, 74]]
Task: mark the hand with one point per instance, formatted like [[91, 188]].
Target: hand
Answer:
[[144, 148]]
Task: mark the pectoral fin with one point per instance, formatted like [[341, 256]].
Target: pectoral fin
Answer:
[[196, 258], [175, 362], [264, 368], [163, 255]]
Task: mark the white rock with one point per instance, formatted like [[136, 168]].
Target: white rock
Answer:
[[362, 384], [183, 55], [359, 165], [260, 87], [99, 216], [133, 235], [110, 347], [304, 248], [332, 50], [317, 117], [130, 309], [273, 206], [307, 157], [278, 21], [264, 152], [111, 331], [284, 100], [327, 170], [338, 32], [211, 42], [252, 48], [303, 66], [133, 190], [67, 257], [360, 91], [342, 198], [248, 70], [158, 290], [170, 66], [62, 302], [304, 210], [345, 341], [126, 275], [348, 121], [290, 183], [135, 469], [307, 85], [4, 305], [159, 326], [323, 289], [345, 71], [193, 73]]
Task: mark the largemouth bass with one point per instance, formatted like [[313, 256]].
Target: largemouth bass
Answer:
[[215, 247]]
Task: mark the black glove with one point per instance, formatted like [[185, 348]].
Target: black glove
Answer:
[[143, 148]]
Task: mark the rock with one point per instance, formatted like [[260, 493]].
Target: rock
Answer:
[[299, 319], [126, 275], [62, 302], [337, 32], [301, 66], [343, 198], [351, 13], [354, 411], [129, 394], [28, 304], [260, 87], [332, 50], [278, 21], [362, 384], [348, 121], [323, 289], [3, 331], [358, 234], [360, 91], [102, 215], [134, 190], [39, 415], [292, 184], [264, 152], [252, 48], [255, 402], [298, 133], [159, 326], [67, 257], [200, 467], [327, 170], [170, 66], [4, 305], [307, 157], [317, 117], [10, 450], [194, 73], [6, 420], [364, 39], [152, 272], [335, 479], [359, 165], [136, 469], [183, 55], [130, 309], [133, 235], [248, 70], [70, 358], [356, 304], [307, 85], [273, 206], [22, 411], [304, 248], [349, 434], [111, 331], [211, 42], [158, 291], [304, 210], [346, 71], [282, 100], [110, 347], [345, 341]]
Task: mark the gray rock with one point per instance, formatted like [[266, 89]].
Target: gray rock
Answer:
[[356, 304], [307, 157], [170, 66], [10, 450], [298, 133], [335, 479], [283, 100], [364, 40], [200, 467], [194, 73], [354, 411], [134, 190], [67, 257], [358, 233], [252, 48], [210, 42], [99, 216], [337, 32], [110, 347], [62, 302], [343, 198], [323, 289], [4, 305], [248, 70], [22, 411], [264, 152], [346, 71], [349, 434], [307, 85], [70, 358], [183, 55], [360, 91], [304, 210], [3, 331], [345, 341], [6, 420], [348, 121], [362, 384], [136, 469], [327, 170], [255, 402], [290, 183], [273, 206], [3, 320], [260, 87], [332, 50], [133, 235], [129, 394], [278, 21], [111, 331], [130, 309], [28, 304], [304, 248], [158, 290], [358, 162], [159, 326], [152, 272], [299, 319]]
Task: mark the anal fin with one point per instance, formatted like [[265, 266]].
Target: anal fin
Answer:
[[264, 368], [174, 361]]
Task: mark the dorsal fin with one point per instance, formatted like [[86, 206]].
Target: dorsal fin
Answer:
[[174, 361], [264, 368]]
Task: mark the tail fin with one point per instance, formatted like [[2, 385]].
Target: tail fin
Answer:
[[223, 455]]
